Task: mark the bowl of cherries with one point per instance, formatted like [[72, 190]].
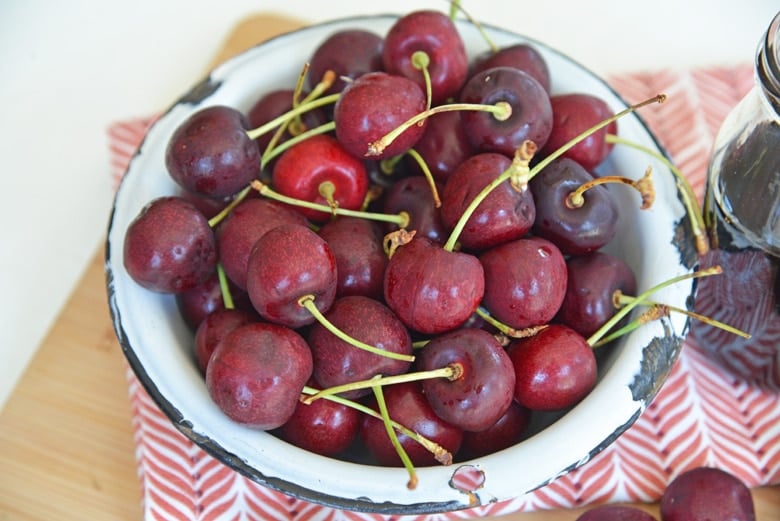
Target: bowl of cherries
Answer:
[[439, 261]]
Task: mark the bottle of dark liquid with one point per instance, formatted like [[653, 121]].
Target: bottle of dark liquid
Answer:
[[742, 212]]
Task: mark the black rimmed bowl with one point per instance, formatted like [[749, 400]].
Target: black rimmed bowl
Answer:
[[158, 344]]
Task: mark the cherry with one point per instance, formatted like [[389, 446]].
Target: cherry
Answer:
[[505, 214], [213, 329], [525, 281], [210, 152], [349, 53], [421, 289], [322, 427], [575, 230], [573, 114], [197, 303], [243, 226], [287, 263], [482, 390], [360, 259], [169, 246], [592, 280], [443, 146], [413, 195], [373, 105], [522, 56], [615, 513], [338, 362], [704, 493], [320, 170], [555, 368], [433, 34], [507, 431], [257, 372], [407, 405], [531, 118]]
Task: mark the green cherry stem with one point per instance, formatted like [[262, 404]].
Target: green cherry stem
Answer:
[[421, 61], [686, 191], [214, 221], [506, 330], [643, 185], [307, 301], [290, 114], [224, 288], [501, 111], [450, 372], [277, 150], [456, 6], [400, 219], [399, 449], [428, 175], [625, 310]]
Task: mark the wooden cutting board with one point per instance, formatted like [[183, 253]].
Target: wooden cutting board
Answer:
[[66, 438]]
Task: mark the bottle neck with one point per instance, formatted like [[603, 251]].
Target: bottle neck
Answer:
[[768, 63]]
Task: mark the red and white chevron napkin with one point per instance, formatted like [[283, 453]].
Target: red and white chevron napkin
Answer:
[[702, 415]]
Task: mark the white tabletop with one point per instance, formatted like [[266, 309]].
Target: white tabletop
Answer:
[[69, 69]]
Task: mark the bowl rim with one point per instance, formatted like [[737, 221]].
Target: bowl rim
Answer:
[[667, 346]]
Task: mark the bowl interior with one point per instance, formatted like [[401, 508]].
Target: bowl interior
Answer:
[[157, 343]]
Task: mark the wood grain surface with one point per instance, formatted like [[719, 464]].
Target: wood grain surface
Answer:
[[66, 439]]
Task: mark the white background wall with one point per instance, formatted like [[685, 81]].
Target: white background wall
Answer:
[[68, 69]]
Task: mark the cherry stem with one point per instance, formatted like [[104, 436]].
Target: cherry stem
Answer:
[[224, 288], [214, 221], [501, 111], [307, 301], [625, 310], [441, 454], [456, 6], [290, 114], [519, 169], [509, 330], [428, 175], [620, 299], [399, 449], [655, 312], [327, 190], [400, 219], [277, 150], [690, 200], [643, 185], [450, 372], [421, 61]]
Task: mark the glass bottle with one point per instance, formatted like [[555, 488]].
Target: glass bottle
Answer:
[[742, 212]]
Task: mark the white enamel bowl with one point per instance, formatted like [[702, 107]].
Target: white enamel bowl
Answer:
[[157, 344]]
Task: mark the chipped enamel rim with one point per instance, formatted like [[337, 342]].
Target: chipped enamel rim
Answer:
[[656, 243]]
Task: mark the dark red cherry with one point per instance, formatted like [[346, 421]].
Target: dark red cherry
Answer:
[[349, 53], [575, 230], [287, 263], [704, 493], [522, 56], [406, 404], [323, 427], [413, 195], [169, 246], [433, 33], [555, 368], [507, 431], [213, 329], [531, 117], [482, 392], [320, 170], [211, 154], [505, 214], [243, 226], [573, 114], [420, 286], [525, 281], [373, 105], [337, 362], [592, 280], [257, 372], [360, 257]]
